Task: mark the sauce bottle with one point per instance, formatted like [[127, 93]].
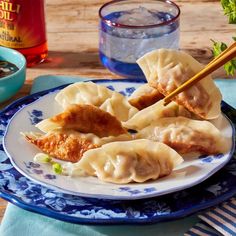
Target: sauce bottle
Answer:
[[22, 27]]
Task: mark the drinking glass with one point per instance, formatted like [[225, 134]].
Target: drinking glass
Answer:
[[128, 29]]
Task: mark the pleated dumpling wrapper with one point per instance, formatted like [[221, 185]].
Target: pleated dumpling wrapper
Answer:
[[125, 162], [100, 96], [186, 135], [167, 69], [83, 93], [150, 114], [119, 106]]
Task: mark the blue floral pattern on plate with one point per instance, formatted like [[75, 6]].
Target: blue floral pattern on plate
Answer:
[[32, 167], [29, 195], [35, 116]]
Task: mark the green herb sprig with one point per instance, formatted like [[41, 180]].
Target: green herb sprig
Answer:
[[229, 7], [218, 48]]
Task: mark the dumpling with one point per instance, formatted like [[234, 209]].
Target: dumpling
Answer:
[[67, 145], [83, 93], [150, 114], [85, 119], [125, 162], [186, 135], [167, 69], [100, 96], [145, 96], [119, 107]]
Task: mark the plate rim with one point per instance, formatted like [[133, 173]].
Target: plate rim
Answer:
[[73, 219], [115, 221]]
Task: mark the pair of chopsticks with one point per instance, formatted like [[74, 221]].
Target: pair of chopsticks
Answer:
[[219, 61]]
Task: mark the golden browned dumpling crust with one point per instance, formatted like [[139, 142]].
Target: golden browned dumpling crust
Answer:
[[63, 145], [85, 119], [146, 100]]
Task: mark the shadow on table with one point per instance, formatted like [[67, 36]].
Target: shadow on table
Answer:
[[83, 59]]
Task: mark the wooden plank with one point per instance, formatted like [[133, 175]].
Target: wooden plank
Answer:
[[81, 18]]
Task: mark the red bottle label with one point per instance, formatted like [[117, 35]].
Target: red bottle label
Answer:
[[22, 23]]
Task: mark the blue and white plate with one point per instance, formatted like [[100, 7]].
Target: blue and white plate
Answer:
[[194, 170], [47, 200]]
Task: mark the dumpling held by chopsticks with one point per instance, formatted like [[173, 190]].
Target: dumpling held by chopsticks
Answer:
[[167, 69]]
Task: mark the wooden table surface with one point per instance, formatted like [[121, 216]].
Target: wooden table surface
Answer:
[[72, 30]]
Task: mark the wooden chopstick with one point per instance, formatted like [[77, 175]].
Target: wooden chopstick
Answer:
[[219, 61]]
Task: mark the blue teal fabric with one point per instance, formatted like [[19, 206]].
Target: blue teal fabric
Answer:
[[19, 222]]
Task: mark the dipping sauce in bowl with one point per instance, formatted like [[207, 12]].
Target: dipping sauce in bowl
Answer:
[[7, 68], [12, 72]]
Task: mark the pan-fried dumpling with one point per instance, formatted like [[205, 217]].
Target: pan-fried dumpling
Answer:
[[100, 96], [167, 69], [130, 161], [83, 93], [119, 107], [186, 135], [150, 114], [85, 119], [145, 96], [67, 145]]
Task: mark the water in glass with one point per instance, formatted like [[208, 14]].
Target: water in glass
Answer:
[[120, 47]]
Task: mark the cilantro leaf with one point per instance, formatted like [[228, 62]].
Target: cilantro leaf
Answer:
[[219, 47], [229, 7]]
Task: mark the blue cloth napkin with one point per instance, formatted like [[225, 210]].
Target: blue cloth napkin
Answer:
[[19, 222]]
